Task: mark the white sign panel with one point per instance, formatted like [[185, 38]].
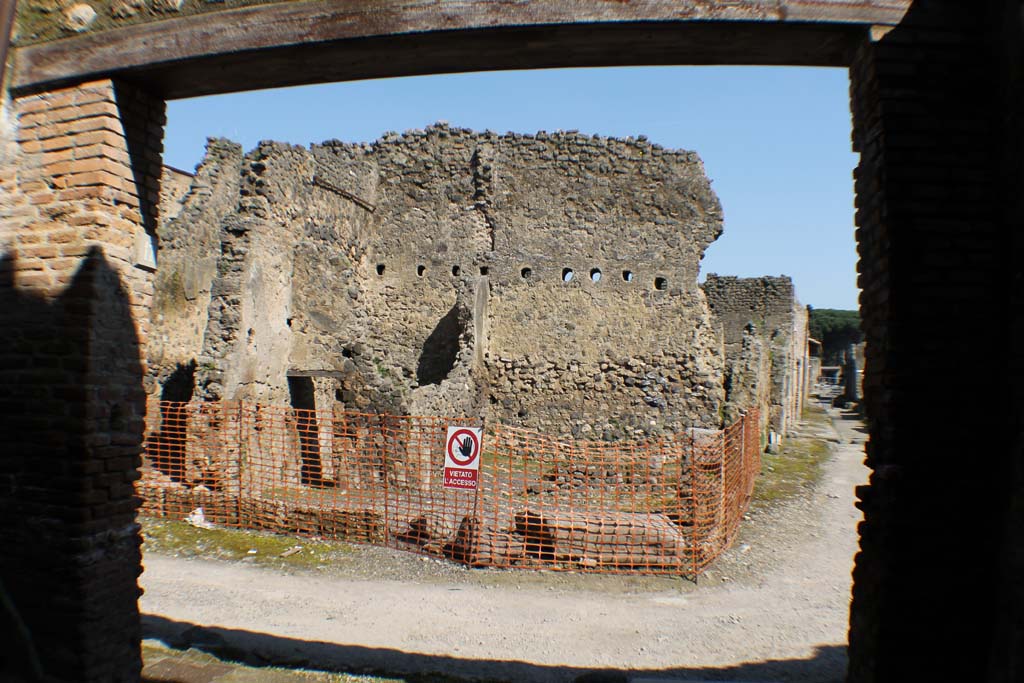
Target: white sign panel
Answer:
[[462, 457]]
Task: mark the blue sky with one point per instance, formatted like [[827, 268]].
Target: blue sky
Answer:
[[775, 143]]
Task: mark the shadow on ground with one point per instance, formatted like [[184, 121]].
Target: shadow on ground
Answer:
[[263, 649], [854, 416]]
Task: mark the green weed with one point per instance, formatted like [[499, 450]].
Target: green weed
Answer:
[[171, 537]]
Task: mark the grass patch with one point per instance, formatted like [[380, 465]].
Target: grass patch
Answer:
[[797, 467], [171, 537], [815, 415], [499, 465], [189, 661]]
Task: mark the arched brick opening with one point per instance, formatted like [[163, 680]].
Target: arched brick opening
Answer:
[[938, 105]]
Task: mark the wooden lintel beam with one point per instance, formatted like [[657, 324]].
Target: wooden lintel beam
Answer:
[[292, 43], [336, 374], [331, 187], [6, 25]]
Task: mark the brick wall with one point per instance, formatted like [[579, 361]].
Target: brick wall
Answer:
[[1007, 21], [78, 197], [933, 271]]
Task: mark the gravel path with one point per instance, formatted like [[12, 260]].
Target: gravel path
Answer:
[[773, 608]]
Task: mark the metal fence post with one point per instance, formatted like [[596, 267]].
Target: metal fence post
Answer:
[[693, 501], [743, 454], [386, 468], [242, 464]]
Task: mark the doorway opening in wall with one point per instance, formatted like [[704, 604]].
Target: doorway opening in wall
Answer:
[[302, 399], [171, 439], [774, 147]]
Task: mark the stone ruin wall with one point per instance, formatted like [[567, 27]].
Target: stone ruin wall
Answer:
[[423, 274], [799, 362], [174, 185], [190, 248], [765, 331]]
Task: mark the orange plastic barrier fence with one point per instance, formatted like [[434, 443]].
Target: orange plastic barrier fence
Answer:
[[669, 505]]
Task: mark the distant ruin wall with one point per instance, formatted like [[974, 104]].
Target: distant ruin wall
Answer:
[[546, 280], [190, 240], [764, 329], [174, 185]]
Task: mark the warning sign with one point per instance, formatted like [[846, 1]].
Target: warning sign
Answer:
[[462, 457]]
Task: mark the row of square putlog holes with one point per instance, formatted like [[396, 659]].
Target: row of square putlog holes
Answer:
[[568, 274]]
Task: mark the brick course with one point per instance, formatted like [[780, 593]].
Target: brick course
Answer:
[[933, 272], [71, 399]]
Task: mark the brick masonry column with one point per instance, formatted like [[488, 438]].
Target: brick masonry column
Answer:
[[1008, 44], [79, 177], [934, 272]]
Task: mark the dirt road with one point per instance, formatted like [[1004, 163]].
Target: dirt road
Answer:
[[774, 608]]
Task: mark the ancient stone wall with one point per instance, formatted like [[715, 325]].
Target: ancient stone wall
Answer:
[[544, 280], [596, 309], [190, 246], [174, 185], [799, 362], [765, 333], [246, 341], [748, 376]]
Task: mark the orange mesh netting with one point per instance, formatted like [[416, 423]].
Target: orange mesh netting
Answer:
[[667, 505]]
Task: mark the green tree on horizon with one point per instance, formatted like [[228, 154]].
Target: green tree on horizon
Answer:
[[835, 329]]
